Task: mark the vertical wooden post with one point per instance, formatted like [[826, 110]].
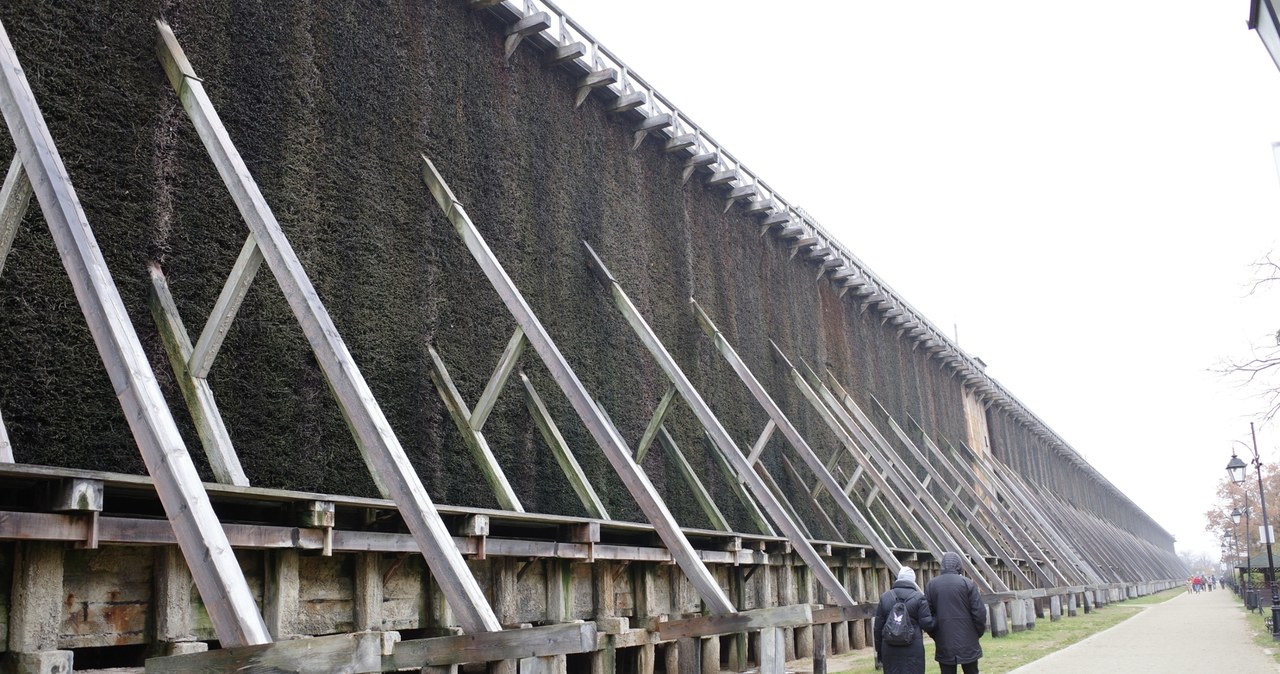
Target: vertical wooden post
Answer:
[[280, 592], [1055, 607], [821, 635], [769, 656], [505, 594], [787, 596], [172, 604], [804, 635], [999, 619], [35, 605], [1017, 615], [1072, 604], [690, 656], [711, 655], [367, 610], [605, 605], [738, 642]]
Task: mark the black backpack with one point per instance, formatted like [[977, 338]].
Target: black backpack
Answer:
[[899, 628]]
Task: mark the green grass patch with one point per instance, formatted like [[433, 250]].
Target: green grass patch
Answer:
[[1258, 629], [1009, 653]]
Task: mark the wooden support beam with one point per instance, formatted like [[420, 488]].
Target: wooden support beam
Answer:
[[797, 442], [777, 492], [650, 125], [525, 26], [614, 447], [794, 230], [736, 484], [378, 444], [698, 161], [506, 365], [932, 473], [627, 101], [592, 81], [201, 403], [724, 177], [683, 141], [505, 645], [796, 615], [225, 309], [738, 193], [6, 447], [560, 449], [564, 54], [760, 205], [359, 652], [15, 196], [474, 439], [758, 448], [720, 439], [220, 579], [836, 533], [691, 478], [852, 447], [651, 431]]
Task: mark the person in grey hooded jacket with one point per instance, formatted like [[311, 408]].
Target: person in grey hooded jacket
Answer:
[[959, 615]]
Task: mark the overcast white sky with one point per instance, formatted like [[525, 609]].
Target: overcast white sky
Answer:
[[1079, 187]]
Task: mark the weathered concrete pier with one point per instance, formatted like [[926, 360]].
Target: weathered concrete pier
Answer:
[[436, 338]]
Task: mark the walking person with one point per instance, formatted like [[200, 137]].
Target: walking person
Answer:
[[960, 618], [902, 615]]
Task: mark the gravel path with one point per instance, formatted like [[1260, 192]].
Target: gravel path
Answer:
[[1203, 632]]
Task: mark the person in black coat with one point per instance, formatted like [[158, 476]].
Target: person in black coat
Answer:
[[960, 616], [907, 659]]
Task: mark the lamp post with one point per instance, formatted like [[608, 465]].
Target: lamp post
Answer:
[[1236, 468], [1248, 554]]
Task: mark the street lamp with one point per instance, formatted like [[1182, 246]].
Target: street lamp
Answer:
[[1235, 468]]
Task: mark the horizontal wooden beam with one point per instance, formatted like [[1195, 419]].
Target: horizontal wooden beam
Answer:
[[795, 615], [491, 646], [358, 652]]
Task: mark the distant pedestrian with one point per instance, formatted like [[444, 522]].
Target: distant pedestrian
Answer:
[[907, 658], [959, 615]]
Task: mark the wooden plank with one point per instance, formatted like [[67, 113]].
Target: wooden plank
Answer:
[[378, 444], [796, 615], [505, 645], [220, 580], [225, 309], [613, 446], [6, 447], [560, 449], [533, 23], [594, 80], [473, 438], [758, 448], [725, 445], [15, 196], [700, 493], [201, 403], [651, 431], [501, 373], [564, 53], [359, 652]]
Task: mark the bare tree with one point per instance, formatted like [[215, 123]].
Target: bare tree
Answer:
[[1261, 369]]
